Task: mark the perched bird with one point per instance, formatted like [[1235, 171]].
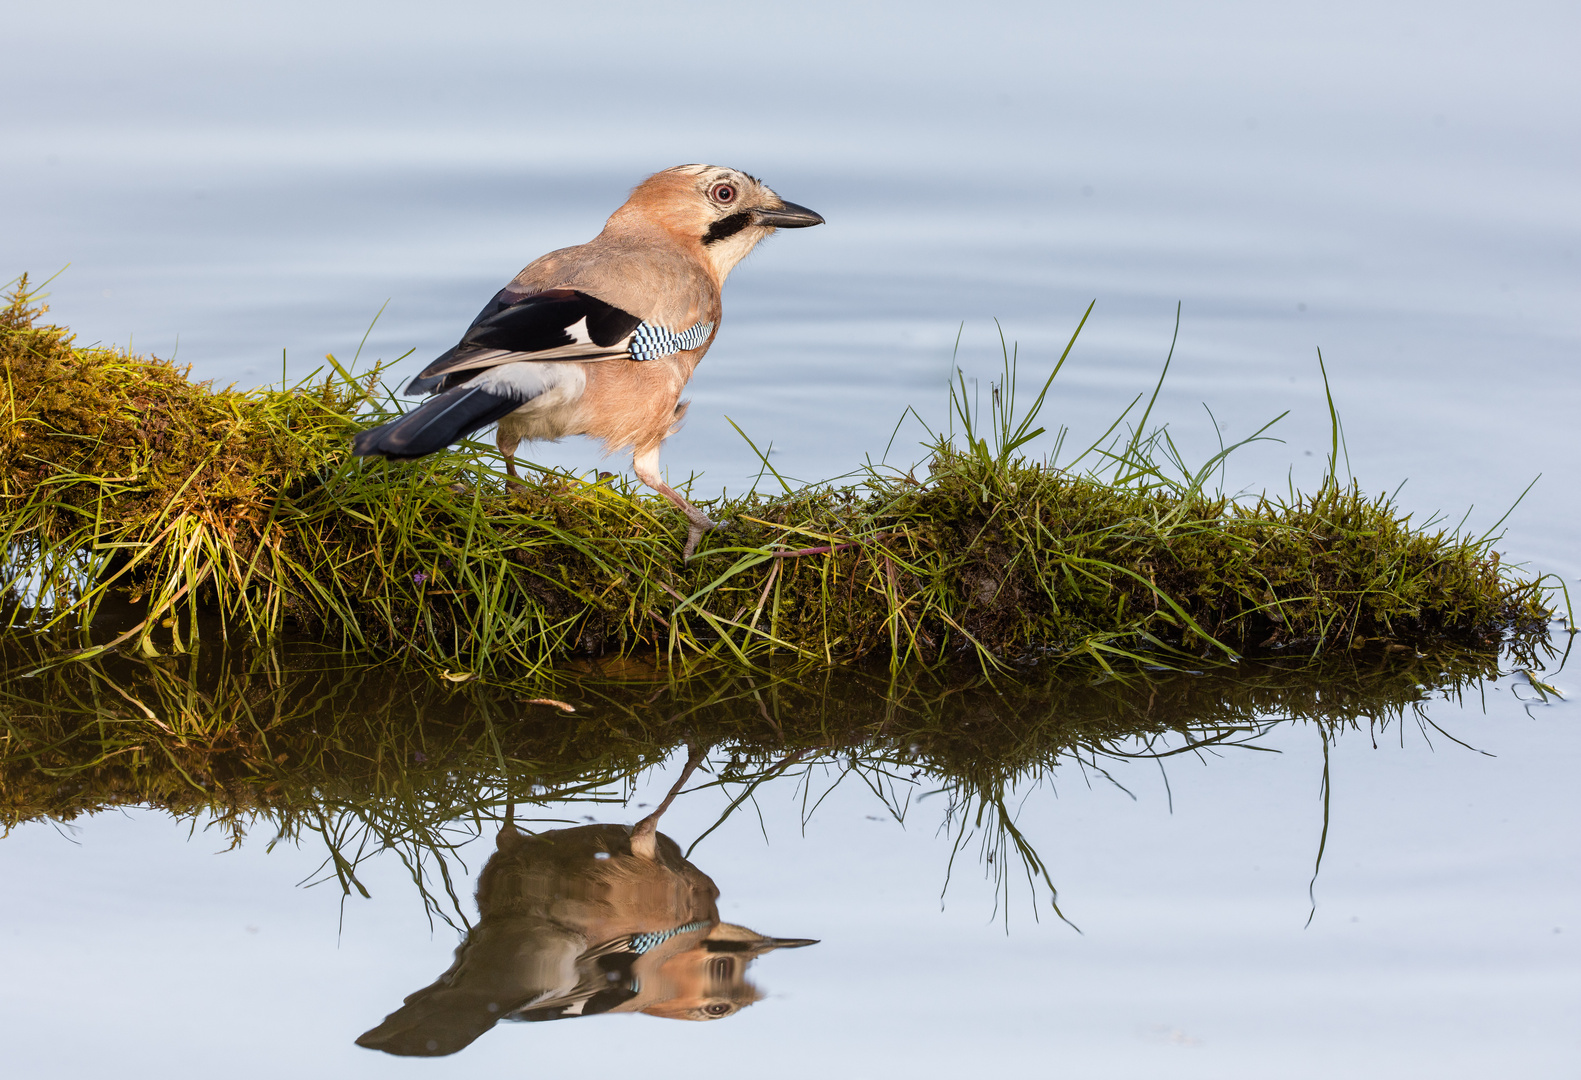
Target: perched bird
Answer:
[[601, 338]]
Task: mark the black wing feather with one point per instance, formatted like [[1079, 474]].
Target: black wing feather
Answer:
[[609, 324], [541, 321], [523, 325]]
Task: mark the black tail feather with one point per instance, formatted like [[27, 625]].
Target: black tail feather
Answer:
[[435, 424], [428, 385]]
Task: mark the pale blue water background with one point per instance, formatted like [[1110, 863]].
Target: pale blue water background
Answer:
[[1395, 183], [1444, 944]]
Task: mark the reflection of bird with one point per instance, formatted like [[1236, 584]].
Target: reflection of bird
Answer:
[[573, 922], [642, 299]]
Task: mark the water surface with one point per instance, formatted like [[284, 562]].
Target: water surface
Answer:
[[1393, 184]]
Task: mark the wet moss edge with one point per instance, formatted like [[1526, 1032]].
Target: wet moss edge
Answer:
[[125, 486]]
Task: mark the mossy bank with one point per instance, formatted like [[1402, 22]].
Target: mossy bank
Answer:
[[130, 493]]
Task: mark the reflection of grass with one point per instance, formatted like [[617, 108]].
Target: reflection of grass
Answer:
[[373, 762], [241, 513]]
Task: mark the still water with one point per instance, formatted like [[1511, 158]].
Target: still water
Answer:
[[862, 816], [1395, 184]]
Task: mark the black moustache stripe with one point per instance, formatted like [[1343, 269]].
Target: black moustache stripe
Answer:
[[727, 227]]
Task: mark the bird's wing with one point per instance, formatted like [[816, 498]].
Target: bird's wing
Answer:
[[499, 968], [560, 325], [604, 981], [551, 320]]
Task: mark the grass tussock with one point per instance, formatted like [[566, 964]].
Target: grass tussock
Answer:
[[136, 500]]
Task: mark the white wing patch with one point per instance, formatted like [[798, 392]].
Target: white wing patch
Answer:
[[531, 380], [579, 332]]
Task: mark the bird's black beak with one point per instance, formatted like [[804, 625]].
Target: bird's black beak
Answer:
[[756, 945], [788, 216]]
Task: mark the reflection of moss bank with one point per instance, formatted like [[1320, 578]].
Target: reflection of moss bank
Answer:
[[305, 739], [374, 761], [119, 476]]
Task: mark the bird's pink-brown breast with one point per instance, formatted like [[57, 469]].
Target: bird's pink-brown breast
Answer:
[[626, 403]]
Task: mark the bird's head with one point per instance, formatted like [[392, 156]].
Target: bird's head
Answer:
[[707, 980], [724, 212]]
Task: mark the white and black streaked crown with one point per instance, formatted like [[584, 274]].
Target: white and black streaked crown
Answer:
[[651, 341]]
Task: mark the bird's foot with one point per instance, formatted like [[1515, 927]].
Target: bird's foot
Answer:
[[697, 525], [514, 485]]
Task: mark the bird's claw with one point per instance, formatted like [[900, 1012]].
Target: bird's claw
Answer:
[[696, 527]]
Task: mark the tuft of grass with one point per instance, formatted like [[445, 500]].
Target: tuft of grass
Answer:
[[140, 510]]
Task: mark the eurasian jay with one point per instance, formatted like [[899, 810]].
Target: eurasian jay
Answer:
[[601, 338], [580, 921], [573, 923]]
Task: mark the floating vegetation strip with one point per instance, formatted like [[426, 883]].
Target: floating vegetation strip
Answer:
[[130, 493]]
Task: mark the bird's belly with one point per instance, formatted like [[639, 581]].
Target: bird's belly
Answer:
[[539, 421], [553, 414]]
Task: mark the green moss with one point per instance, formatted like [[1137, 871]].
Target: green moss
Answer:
[[95, 422], [123, 482]]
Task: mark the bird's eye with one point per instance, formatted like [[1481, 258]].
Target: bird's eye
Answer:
[[718, 1008], [724, 193]]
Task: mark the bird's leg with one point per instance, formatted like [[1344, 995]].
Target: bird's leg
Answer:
[[514, 483], [645, 834], [646, 465], [508, 830], [507, 441]]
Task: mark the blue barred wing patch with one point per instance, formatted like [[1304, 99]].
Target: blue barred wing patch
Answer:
[[651, 341], [641, 943]]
